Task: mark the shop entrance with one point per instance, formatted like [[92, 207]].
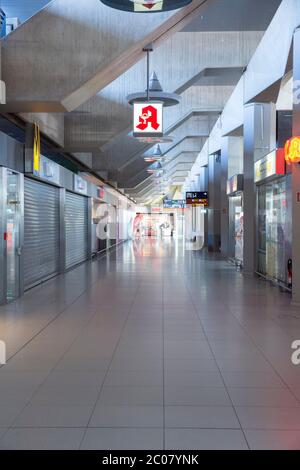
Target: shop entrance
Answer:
[[11, 223], [236, 228], [274, 229]]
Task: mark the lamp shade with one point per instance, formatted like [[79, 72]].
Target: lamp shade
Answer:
[[156, 156], [155, 167], [146, 6]]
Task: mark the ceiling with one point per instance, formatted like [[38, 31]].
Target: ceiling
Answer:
[[235, 15], [86, 60]]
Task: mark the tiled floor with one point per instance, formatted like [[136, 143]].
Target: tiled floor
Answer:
[[150, 348]]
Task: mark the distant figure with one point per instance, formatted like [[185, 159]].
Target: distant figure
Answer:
[[137, 225]]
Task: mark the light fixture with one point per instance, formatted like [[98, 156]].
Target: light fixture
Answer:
[[148, 108], [155, 140], [156, 156], [146, 6], [149, 159], [156, 167], [159, 173], [154, 93]]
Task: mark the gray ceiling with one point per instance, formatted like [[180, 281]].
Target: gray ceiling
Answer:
[[236, 15], [239, 15], [203, 64]]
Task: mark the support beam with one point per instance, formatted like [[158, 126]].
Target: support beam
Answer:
[[224, 203], [214, 221], [296, 180], [259, 140]]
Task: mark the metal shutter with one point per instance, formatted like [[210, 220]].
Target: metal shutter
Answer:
[[41, 232], [76, 220]]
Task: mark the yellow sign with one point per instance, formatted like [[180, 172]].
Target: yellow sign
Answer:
[[271, 165], [36, 150], [265, 167]]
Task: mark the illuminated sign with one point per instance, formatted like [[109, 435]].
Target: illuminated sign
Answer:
[[272, 164], [100, 192], [49, 170], [148, 6], [198, 198], [148, 119], [292, 150], [36, 150], [174, 204], [80, 185], [235, 184]]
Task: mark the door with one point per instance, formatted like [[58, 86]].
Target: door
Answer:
[[76, 225], [41, 232], [276, 215], [11, 222]]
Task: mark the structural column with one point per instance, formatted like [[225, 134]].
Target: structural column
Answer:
[[214, 194], [296, 178], [224, 199], [203, 186], [259, 140]]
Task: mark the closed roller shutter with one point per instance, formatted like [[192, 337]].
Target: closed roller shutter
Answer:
[[41, 232], [76, 220]]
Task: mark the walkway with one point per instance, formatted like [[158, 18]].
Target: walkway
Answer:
[[150, 348]]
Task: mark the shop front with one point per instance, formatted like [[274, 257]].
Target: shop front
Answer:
[[99, 239], [11, 230], [274, 218], [236, 219], [41, 256]]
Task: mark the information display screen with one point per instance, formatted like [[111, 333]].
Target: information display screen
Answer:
[[198, 198]]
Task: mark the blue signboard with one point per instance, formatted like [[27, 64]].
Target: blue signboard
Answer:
[[174, 204]]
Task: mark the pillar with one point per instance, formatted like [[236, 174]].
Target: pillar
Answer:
[[224, 204], [214, 194], [296, 179], [259, 140], [203, 186]]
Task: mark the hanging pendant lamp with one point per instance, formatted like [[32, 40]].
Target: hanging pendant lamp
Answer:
[[154, 93], [154, 168], [146, 6], [156, 156], [148, 108]]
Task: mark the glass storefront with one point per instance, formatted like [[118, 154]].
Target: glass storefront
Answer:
[[236, 228], [274, 228], [11, 228]]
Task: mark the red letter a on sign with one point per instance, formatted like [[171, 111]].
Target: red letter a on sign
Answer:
[[148, 116]]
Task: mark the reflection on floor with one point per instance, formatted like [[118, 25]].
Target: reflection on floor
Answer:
[[151, 348]]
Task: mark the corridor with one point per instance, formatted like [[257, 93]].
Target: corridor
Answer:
[[151, 347]]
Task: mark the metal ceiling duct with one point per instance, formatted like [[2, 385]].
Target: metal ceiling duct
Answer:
[[146, 6]]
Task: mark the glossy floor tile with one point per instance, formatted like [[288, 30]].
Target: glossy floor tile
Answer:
[[152, 347]]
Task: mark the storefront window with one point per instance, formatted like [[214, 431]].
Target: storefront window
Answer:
[[261, 241], [236, 228], [274, 230]]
